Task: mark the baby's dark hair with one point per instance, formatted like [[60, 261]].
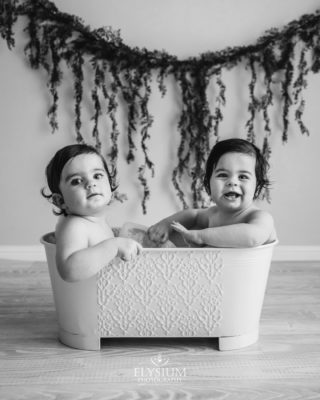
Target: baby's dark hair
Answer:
[[55, 167], [239, 146]]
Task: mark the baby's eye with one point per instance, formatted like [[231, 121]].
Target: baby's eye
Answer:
[[76, 181], [221, 175], [243, 177], [98, 175]]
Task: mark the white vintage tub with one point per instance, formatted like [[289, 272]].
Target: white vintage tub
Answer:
[[174, 292]]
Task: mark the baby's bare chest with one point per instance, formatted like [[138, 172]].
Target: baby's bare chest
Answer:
[[216, 219]]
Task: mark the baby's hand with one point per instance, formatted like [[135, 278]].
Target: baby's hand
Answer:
[[128, 249], [159, 233], [189, 237]]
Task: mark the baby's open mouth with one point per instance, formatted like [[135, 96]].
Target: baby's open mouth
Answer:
[[232, 195]]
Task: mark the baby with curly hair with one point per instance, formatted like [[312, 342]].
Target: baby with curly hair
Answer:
[[81, 188], [236, 175]]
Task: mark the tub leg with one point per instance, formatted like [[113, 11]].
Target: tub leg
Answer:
[[82, 342], [238, 342]]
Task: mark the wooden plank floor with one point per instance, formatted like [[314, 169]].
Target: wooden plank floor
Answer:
[[284, 364]]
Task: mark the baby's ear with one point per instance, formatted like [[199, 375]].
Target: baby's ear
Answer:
[[58, 201]]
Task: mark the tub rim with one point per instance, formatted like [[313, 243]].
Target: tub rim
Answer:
[[45, 242]]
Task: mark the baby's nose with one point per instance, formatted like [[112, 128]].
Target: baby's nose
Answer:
[[90, 184]]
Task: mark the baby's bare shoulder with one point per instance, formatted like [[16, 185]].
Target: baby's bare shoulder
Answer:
[[71, 235], [264, 220], [72, 228], [71, 222], [258, 214]]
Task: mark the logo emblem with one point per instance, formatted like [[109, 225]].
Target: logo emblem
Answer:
[[158, 361]]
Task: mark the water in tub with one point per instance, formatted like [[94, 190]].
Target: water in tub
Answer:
[[139, 233]]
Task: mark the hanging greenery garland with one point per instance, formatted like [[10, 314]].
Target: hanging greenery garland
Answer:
[[121, 73]]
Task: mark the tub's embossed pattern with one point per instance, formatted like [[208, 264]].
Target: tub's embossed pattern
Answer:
[[161, 294]]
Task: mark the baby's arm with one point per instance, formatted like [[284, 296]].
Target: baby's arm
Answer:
[[256, 230], [76, 261], [161, 231]]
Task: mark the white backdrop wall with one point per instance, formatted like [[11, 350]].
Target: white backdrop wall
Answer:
[[184, 28]]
